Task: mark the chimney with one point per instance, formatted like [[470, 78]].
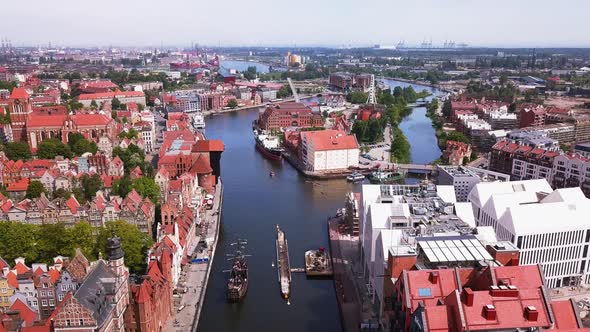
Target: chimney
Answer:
[[489, 312], [531, 313], [468, 296], [434, 277]]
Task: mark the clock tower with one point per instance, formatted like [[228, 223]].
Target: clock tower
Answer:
[[19, 105]]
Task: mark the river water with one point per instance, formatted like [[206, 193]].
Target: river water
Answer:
[[254, 203]]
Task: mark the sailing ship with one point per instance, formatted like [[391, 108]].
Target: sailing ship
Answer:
[[237, 284]]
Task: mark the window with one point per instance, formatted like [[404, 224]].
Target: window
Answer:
[[4, 290], [49, 293], [52, 302], [68, 322], [44, 303], [424, 292], [81, 322], [60, 297], [35, 303]]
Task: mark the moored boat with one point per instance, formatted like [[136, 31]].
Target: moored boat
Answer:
[[237, 284], [283, 266], [268, 146], [199, 121], [355, 177], [318, 263], [381, 177]]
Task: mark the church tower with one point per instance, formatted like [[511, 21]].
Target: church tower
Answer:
[[116, 262], [19, 105]]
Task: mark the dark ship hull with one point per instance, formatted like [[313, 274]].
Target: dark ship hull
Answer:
[[271, 154], [237, 285]]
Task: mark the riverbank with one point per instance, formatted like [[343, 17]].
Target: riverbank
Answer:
[[245, 108], [341, 174], [416, 82], [188, 308]]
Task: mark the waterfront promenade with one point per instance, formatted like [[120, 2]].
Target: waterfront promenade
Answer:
[[197, 274], [349, 299]]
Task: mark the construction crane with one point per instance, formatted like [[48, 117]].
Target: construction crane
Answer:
[[295, 95]]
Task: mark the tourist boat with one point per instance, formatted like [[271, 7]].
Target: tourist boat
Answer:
[[318, 263], [355, 177], [381, 177], [199, 121], [268, 146], [237, 284], [283, 266]]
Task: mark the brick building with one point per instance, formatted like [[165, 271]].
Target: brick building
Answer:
[[289, 115], [532, 115]]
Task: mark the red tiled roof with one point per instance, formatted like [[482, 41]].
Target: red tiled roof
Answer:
[[99, 84], [110, 95], [325, 140], [37, 120], [19, 93], [53, 275], [213, 145], [73, 204], [91, 119], [11, 279], [201, 166], [565, 315], [21, 268], [26, 313], [20, 185]]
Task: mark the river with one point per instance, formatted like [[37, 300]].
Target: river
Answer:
[[417, 127], [243, 65], [254, 203]]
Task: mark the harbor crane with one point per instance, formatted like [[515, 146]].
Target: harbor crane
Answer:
[[295, 95]]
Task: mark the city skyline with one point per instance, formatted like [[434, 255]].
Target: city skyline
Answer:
[[180, 22]]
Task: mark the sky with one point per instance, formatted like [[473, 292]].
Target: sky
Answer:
[[333, 23]]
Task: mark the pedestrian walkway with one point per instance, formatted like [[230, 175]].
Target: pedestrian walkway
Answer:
[[196, 275]]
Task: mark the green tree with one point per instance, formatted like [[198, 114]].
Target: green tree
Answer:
[[250, 73], [357, 97], [61, 193], [35, 189], [115, 104], [457, 136], [81, 236], [93, 104], [53, 241], [53, 147], [90, 184], [73, 138], [17, 151], [232, 103], [147, 187], [135, 243], [122, 186], [18, 240], [284, 91], [130, 134], [82, 146], [400, 147]]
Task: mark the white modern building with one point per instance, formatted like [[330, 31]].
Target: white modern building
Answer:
[[551, 228], [328, 150], [148, 132], [571, 170]]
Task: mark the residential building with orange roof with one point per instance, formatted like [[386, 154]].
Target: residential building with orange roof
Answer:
[[124, 97], [328, 150]]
